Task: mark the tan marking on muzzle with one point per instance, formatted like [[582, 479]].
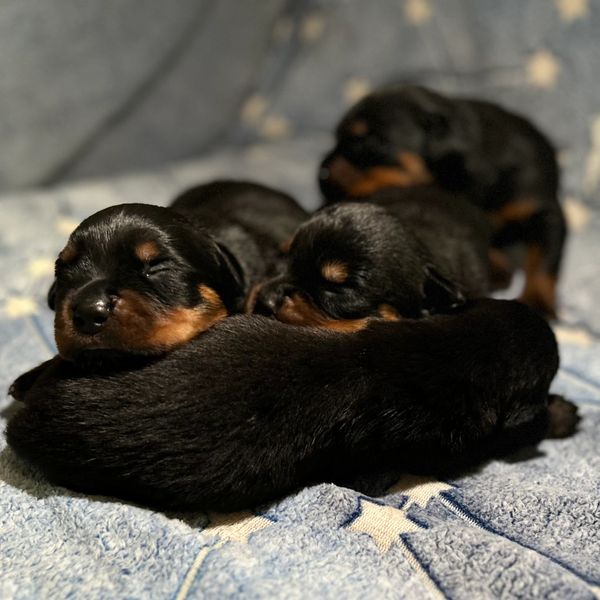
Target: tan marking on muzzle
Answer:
[[388, 313], [411, 171], [138, 326], [296, 310]]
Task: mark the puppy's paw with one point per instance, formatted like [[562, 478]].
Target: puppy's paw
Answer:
[[22, 384], [562, 417]]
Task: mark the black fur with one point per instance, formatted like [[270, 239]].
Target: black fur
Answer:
[[224, 236], [254, 409], [251, 220], [492, 156], [416, 250]]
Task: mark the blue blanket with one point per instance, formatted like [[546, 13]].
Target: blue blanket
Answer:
[[524, 528]]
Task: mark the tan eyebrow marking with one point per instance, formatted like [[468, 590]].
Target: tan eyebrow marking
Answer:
[[334, 271], [147, 251], [359, 128], [68, 253]]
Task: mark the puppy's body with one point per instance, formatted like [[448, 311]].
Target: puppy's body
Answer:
[[251, 220], [456, 234], [404, 135], [405, 253], [254, 408]]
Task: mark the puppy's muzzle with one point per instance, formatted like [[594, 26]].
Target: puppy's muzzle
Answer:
[[91, 307], [271, 296]]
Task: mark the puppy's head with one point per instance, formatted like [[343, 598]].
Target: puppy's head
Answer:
[[391, 138], [354, 261], [139, 279]]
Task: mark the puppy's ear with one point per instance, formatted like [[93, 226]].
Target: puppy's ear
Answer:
[[440, 293], [233, 283], [52, 296]]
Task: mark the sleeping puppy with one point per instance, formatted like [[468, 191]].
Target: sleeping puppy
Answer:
[[143, 279], [254, 409], [387, 259], [403, 136], [251, 220]]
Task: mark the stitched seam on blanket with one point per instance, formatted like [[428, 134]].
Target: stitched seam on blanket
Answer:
[[427, 578], [466, 515], [190, 576]]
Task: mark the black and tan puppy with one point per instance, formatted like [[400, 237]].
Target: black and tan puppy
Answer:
[[137, 278], [388, 258], [253, 409], [404, 136]]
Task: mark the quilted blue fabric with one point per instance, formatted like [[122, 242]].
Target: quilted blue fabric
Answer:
[[525, 528]]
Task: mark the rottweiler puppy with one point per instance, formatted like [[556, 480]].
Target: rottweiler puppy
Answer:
[[253, 408], [137, 278], [387, 258], [406, 135]]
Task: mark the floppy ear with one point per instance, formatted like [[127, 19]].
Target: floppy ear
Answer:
[[234, 285], [440, 293], [52, 296]]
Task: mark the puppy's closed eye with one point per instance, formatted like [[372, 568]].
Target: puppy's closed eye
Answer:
[[156, 267]]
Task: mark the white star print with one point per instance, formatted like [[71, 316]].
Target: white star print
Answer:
[[20, 306], [383, 523], [543, 69], [355, 89], [237, 526], [417, 12], [420, 490], [40, 267], [571, 10]]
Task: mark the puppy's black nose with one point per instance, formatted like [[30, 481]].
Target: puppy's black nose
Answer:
[[270, 298], [91, 310]]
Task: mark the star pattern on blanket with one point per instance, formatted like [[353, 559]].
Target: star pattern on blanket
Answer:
[[543, 69], [419, 490], [236, 527], [571, 10], [65, 226], [20, 306], [355, 89], [417, 12], [40, 267], [383, 523]]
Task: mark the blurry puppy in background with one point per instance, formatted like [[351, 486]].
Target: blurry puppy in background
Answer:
[[143, 279], [388, 258], [404, 136]]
